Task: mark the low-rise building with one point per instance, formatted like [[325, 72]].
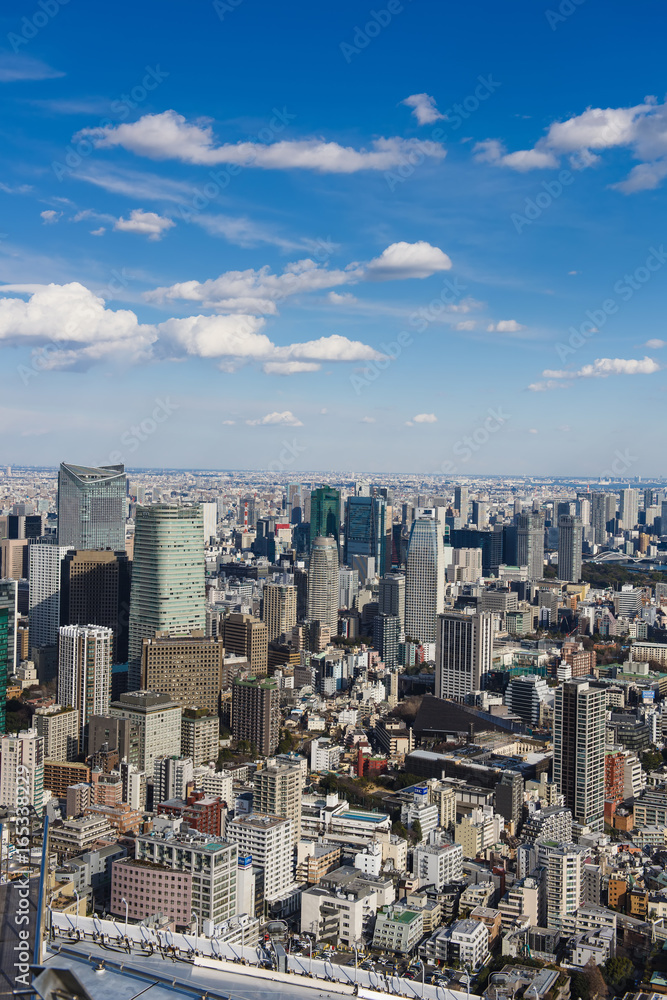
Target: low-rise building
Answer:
[[398, 930], [150, 889]]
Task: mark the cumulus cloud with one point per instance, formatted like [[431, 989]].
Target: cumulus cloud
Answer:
[[148, 224], [505, 326], [260, 290], [407, 260], [641, 129], [655, 345], [169, 136], [425, 418], [228, 423], [423, 108], [286, 418], [340, 299], [50, 216], [79, 330]]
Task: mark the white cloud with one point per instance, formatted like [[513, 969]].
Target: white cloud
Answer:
[[169, 136], [547, 386], [244, 232], [286, 418], [603, 367], [16, 67], [641, 129], [228, 423], [425, 418], [368, 420], [259, 290], [466, 324], [655, 345], [505, 326], [290, 367], [136, 184], [148, 224], [85, 330], [407, 260], [423, 108], [50, 216], [98, 232], [532, 430], [346, 298]]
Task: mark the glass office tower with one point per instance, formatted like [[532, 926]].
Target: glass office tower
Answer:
[[91, 507]]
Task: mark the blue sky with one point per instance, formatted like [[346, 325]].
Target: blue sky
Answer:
[[331, 236]]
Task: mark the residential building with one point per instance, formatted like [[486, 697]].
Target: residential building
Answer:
[[158, 720], [464, 650], [270, 841], [391, 596], [245, 635], [44, 594], [579, 743], [22, 770], [279, 609], [570, 534], [173, 778], [398, 930], [85, 653], [200, 735], [60, 729], [437, 864], [255, 712]]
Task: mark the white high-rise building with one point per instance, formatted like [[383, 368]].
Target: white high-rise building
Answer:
[[171, 778], [323, 583], [44, 595], [22, 770], [629, 508], [437, 864], [85, 653], [269, 840], [61, 731], [425, 577], [348, 587], [463, 655], [210, 515]]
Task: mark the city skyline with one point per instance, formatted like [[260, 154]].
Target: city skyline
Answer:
[[414, 264]]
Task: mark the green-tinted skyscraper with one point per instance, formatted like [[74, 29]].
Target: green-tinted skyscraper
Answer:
[[324, 513], [168, 593]]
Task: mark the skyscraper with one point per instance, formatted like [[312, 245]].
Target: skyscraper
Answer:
[[461, 502], [324, 513], [22, 770], [44, 598], [323, 583], [245, 635], [365, 530], [424, 579], [386, 631], [8, 616], [95, 590], [629, 508], [464, 648], [391, 596], [603, 508], [579, 740], [91, 507], [84, 672], [279, 608], [569, 548], [530, 543], [168, 592]]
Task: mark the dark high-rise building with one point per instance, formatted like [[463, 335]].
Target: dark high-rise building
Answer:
[[569, 548], [324, 513], [508, 798], [579, 741], [91, 507], [256, 713], [95, 590], [366, 530], [464, 649], [386, 632], [106, 733], [603, 511], [530, 543], [25, 525], [490, 542]]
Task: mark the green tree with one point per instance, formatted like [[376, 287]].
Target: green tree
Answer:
[[579, 987], [618, 971], [417, 831], [652, 760]]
